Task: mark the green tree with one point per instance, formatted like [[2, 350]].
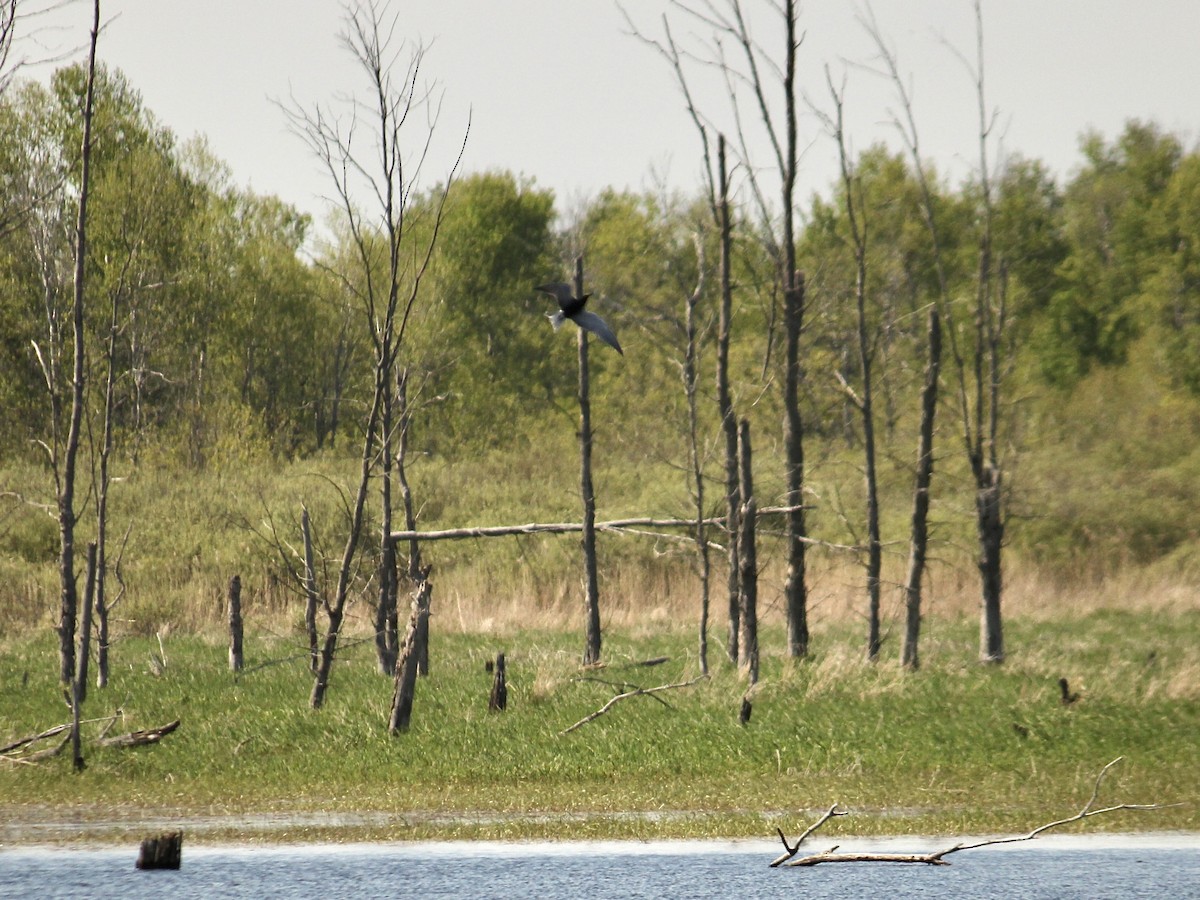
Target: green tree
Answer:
[[1108, 207]]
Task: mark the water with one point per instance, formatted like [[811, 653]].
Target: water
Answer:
[[1107, 867]]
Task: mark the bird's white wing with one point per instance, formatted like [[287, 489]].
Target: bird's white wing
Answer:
[[597, 326]]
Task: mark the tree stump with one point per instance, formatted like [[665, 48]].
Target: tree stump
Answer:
[[235, 624], [499, 699], [162, 852]]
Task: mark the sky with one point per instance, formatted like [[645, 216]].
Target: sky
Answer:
[[559, 91]]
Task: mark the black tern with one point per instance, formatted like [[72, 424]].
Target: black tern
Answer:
[[571, 307]]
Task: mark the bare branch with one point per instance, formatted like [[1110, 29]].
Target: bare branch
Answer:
[[937, 858], [637, 692]]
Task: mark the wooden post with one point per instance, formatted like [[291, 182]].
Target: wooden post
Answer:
[[591, 653], [498, 701], [748, 561], [235, 623], [162, 852]]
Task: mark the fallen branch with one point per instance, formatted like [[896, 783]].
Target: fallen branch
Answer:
[[51, 732], [937, 858], [484, 531], [140, 738], [637, 692]]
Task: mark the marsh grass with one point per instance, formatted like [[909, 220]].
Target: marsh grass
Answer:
[[956, 747]]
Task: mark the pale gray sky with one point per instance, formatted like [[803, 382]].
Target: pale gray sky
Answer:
[[560, 93]]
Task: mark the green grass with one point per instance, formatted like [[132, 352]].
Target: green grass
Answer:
[[954, 748]]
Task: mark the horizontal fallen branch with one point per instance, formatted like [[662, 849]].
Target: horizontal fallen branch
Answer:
[[22, 743], [937, 858], [615, 525], [636, 692], [140, 738]]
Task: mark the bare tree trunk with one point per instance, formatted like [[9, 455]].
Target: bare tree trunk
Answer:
[[85, 623], [410, 518], [864, 401], [235, 624], [729, 426], [991, 540], [694, 455], [591, 653], [311, 597], [498, 701], [748, 559], [66, 497], [103, 482], [796, 589], [919, 539], [406, 664], [79, 682], [385, 607], [376, 246]]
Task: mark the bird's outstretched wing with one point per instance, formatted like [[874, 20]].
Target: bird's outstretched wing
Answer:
[[565, 295], [589, 321]]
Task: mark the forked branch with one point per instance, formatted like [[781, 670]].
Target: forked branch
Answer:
[[938, 858], [636, 692]]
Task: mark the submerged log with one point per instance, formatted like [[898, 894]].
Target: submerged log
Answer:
[[162, 852]]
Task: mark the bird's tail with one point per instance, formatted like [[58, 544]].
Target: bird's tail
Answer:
[[556, 319]]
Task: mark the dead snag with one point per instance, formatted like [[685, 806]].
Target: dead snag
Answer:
[[937, 858], [499, 698], [235, 624], [162, 852], [406, 663]]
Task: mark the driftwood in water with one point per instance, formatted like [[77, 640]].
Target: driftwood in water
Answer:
[[938, 857], [162, 852], [498, 701]]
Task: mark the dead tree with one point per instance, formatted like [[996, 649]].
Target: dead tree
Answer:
[[79, 681], [695, 459], [943, 313], [718, 199], [863, 398], [406, 664], [312, 596], [733, 498], [919, 531], [747, 560], [235, 624], [387, 275], [65, 474], [591, 652], [414, 568], [498, 700]]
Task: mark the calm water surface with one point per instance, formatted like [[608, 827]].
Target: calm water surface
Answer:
[[1112, 867]]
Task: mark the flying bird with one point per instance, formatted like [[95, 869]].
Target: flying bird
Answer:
[[571, 307]]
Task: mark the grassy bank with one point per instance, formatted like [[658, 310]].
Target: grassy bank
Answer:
[[954, 748]]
